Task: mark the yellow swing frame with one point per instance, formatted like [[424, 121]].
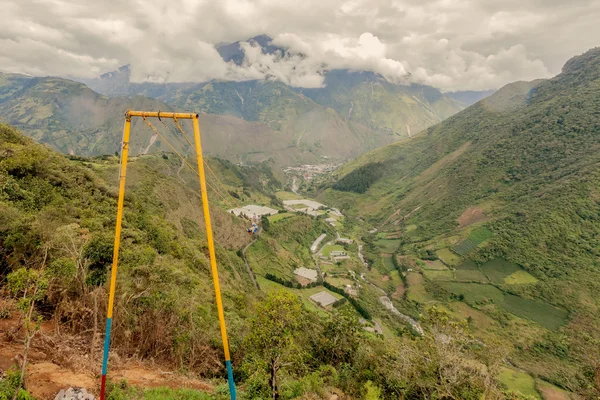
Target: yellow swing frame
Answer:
[[209, 235]]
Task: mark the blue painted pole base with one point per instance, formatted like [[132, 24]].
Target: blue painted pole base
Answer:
[[230, 380]]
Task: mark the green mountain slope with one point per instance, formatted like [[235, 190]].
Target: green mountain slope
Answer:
[[73, 119], [57, 218], [371, 100], [515, 177]]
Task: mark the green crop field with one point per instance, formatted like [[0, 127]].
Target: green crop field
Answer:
[[498, 269], [468, 265], [544, 314], [470, 275], [518, 381], [436, 265], [332, 247], [339, 282], [416, 290], [478, 294], [282, 195], [448, 257], [388, 245], [279, 217], [388, 262], [439, 275], [475, 293], [475, 238], [519, 278]]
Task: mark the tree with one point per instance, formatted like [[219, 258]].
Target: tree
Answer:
[[266, 224], [273, 341]]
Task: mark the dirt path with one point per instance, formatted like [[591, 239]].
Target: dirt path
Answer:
[[57, 363], [248, 265], [152, 140], [179, 170]]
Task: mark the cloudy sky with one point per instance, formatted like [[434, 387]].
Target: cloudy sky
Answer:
[[449, 44]]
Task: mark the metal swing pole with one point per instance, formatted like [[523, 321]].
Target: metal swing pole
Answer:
[[209, 237], [213, 259], [113, 277]]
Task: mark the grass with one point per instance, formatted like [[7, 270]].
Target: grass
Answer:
[[519, 278], [416, 290], [388, 262], [388, 245], [439, 275], [283, 195], [436, 265], [269, 286], [475, 293], [480, 294], [518, 381], [544, 314], [448, 257], [498, 269], [470, 275], [475, 238], [339, 282], [279, 217], [332, 247]]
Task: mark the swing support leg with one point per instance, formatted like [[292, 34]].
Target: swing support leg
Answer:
[[113, 276], [209, 237], [213, 259]]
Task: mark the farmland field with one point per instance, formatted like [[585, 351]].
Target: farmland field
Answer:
[[388, 245], [279, 217], [519, 278], [416, 290], [282, 195], [468, 265], [478, 294], [439, 275], [475, 293], [448, 257], [518, 381], [332, 247], [498, 269], [470, 275], [339, 282], [546, 315], [475, 238], [435, 265], [388, 262]]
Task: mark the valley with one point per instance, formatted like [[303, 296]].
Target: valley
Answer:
[[374, 240]]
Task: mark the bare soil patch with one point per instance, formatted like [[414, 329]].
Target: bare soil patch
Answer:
[[471, 216]]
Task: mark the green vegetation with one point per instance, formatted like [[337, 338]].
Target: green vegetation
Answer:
[[519, 278], [388, 245], [519, 382], [359, 180], [332, 247], [439, 275], [475, 238], [448, 257], [498, 269], [279, 217], [527, 157], [479, 295]]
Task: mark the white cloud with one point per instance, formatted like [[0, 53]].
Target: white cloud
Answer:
[[451, 44]]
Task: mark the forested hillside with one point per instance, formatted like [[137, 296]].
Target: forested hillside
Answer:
[[506, 195], [56, 238]]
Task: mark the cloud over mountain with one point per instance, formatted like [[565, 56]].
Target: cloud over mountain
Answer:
[[453, 45]]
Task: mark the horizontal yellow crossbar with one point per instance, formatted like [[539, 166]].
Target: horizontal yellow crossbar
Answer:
[[160, 114]]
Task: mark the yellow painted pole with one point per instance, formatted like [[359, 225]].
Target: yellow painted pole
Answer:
[[113, 277], [213, 259]]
